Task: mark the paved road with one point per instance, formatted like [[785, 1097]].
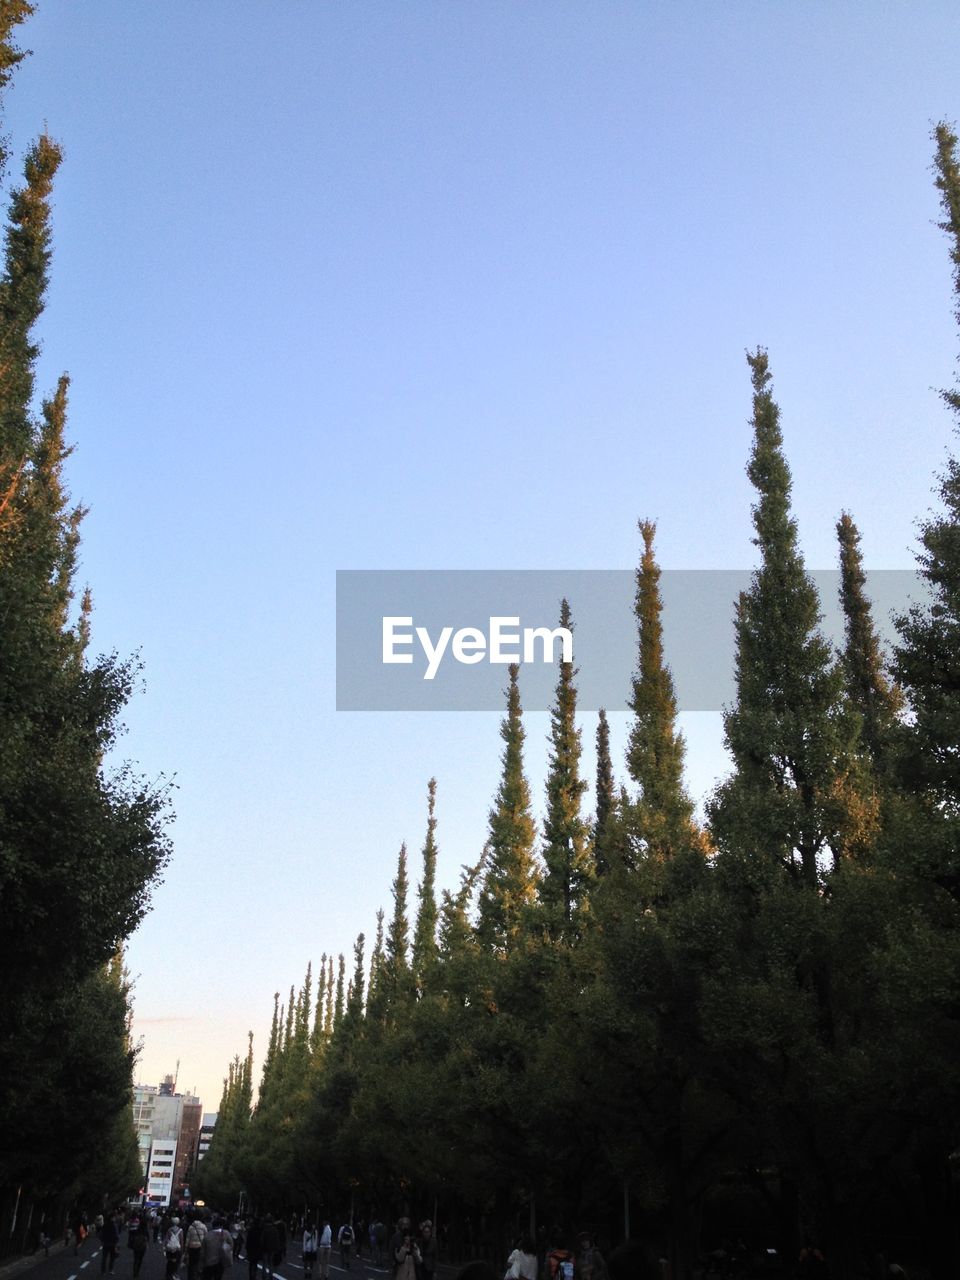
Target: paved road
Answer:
[[63, 1264]]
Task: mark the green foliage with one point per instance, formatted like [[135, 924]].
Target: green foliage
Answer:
[[566, 852], [606, 799], [660, 819], [80, 846], [424, 956], [868, 688], [509, 883], [218, 1176], [772, 1005], [796, 801], [397, 983]]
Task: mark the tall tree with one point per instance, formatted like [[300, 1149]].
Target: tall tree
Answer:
[[79, 846], [375, 992], [565, 846], [316, 1035], [396, 965], [509, 884], [873, 695], [424, 953], [655, 1113], [795, 798], [927, 659], [274, 1045], [659, 820], [606, 798], [354, 1012], [341, 995], [328, 1014], [289, 1020]]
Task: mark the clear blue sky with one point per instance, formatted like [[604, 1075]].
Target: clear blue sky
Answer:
[[448, 285]]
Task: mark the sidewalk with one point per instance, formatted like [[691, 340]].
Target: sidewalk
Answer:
[[13, 1266]]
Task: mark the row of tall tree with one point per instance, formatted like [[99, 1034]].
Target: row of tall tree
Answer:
[[80, 843], [646, 1024]]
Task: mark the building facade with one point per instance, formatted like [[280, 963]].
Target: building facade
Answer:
[[167, 1126]]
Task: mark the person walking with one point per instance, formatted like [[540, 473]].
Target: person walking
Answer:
[[522, 1263], [428, 1251], [253, 1248], [345, 1241], [79, 1231], [139, 1239], [590, 1262], [396, 1240], [109, 1241], [323, 1250], [310, 1245], [269, 1244], [560, 1259], [173, 1247], [196, 1233], [379, 1233], [217, 1250], [407, 1259]]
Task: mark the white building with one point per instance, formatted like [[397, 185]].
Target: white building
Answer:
[[158, 1119], [163, 1157]]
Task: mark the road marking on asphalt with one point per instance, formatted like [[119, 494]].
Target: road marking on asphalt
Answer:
[[363, 1267]]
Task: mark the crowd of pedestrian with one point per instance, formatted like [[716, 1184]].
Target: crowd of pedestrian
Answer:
[[205, 1246]]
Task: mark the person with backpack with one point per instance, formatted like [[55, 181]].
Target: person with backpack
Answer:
[[345, 1241], [217, 1250], [196, 1233], [173, 1247], [560, 1261]]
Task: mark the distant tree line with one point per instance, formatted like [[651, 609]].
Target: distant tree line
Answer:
[[79, 844], [753, 1020]]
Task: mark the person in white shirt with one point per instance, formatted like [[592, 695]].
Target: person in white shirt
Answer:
[[195, 1233], [522, 1263], [326, 1244], [173, 1247], [311, 1242]]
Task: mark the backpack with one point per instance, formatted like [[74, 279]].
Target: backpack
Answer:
[[346, 1235], [564, 1270]]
